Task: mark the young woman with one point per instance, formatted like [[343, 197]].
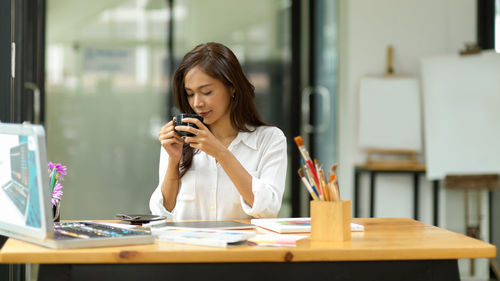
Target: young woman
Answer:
[[234, 166]]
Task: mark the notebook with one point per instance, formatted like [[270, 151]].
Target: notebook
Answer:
[[25, 208]]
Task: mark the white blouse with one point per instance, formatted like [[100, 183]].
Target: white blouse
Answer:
[[207, 193]]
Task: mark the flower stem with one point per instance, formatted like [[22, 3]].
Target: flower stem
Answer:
[[52, 180]]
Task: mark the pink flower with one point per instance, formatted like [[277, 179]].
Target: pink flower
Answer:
[[57, 193], [56, 170], [60, 170]]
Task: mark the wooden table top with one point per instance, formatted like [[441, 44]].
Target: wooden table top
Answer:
[[383, 239]]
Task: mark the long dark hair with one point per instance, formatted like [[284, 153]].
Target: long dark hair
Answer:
[[219, 62]]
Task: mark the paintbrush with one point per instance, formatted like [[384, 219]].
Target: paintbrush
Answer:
[[323, 182], [333, 187], [312, 182], [307, 184], [307, 158]]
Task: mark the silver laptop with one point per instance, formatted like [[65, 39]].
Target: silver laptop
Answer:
[[25, 208]]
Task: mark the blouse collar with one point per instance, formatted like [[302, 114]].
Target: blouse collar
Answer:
[[248, 138]]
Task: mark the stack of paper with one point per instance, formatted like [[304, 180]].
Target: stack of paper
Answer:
[[206, 237], [293, 225]]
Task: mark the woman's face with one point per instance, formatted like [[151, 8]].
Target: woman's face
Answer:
[[207, 96]]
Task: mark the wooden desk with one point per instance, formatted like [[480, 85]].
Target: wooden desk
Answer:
[[416, 171], [388, 249]]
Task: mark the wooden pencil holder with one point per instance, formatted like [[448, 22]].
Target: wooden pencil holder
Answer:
[[331, 221]]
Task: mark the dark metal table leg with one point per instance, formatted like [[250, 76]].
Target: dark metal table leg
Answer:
[[372, 194], [416, 194], [356, 193], [435, 188]]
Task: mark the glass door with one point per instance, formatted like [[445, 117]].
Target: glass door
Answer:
[[319, 102], [106, 83], [319, 98], [324, 81]]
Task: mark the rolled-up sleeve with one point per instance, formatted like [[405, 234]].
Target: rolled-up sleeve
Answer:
[[156, 200], [268, 181]]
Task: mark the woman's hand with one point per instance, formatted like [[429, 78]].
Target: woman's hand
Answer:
[[203, 139], [171, 141]]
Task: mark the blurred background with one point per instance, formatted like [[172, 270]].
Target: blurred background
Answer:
[[103, 71]]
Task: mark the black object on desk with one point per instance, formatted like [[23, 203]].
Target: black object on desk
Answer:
[[138, 219], [3, 239], [416, 171]]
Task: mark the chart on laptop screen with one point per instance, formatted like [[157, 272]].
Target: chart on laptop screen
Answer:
[[19, 200]]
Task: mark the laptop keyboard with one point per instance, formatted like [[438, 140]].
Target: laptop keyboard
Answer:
[[18, 194], [89, 230]]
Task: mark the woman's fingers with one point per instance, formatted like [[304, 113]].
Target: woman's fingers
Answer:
[[195, 121], [169, 135], [167, 131], [188, 129], [191, 129]]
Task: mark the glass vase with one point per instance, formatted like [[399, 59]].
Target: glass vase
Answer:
[[56, 211]]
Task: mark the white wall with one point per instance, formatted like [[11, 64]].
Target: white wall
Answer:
[[416, 29]]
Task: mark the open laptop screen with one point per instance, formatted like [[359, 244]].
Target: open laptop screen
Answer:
[[23, 180]]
